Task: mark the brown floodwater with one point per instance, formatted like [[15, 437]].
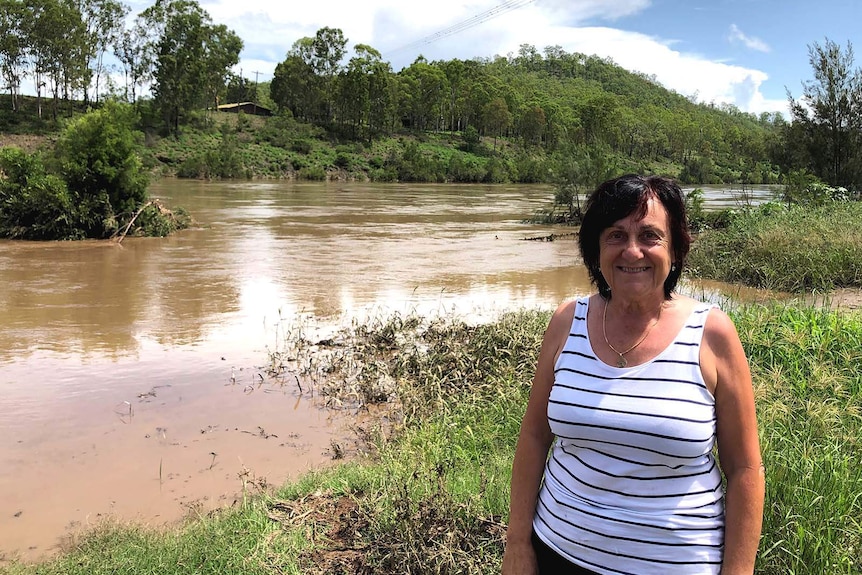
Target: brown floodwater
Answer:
[[129, 383]]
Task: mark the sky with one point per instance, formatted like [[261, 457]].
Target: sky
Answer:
[[748, 53]]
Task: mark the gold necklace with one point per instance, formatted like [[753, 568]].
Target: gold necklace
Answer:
[[621, 362]]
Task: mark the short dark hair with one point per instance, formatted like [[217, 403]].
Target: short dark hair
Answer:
[[617, 199]]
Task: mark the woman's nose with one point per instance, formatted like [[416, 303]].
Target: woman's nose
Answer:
[[633, 249]]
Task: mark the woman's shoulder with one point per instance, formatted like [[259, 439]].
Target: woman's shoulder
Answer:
[[564, 315]]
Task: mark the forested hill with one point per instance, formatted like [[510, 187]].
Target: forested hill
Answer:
[[538, 115], [544, 102]]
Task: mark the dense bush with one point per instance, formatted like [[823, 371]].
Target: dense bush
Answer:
[[92, 184], [34, 205]]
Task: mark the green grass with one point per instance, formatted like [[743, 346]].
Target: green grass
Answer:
[[796, 249], [433, 495]]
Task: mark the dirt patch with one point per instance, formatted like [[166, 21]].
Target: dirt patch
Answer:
[[433, 534], [335, 524], [27, 142], [844, 299], [847, 299]]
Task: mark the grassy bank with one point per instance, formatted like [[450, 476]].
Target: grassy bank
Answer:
[[796, 249], [433, 496]]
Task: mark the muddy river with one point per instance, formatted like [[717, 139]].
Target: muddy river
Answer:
[[129, 374]]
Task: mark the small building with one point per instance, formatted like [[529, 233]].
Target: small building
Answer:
[[245, 108]]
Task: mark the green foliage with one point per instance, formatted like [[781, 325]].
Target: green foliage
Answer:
[[97, 157], [222, 162], [156, 222], [416, 165], [34, 205], [698, 171], [465, 168], [471, 138], [809, 389], [92, 184], [791, 249], [496, 171], [824, 137], [806, 189], [314, 173]]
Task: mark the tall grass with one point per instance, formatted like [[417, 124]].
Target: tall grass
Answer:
[[434, 496], [807, 366], [795, 249]]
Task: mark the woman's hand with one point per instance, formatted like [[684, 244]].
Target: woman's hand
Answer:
[[520, 559]]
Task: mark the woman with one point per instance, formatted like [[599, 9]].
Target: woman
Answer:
[[634, 386]]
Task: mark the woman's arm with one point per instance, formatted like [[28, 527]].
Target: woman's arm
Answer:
[[738, 444], [532, 450]]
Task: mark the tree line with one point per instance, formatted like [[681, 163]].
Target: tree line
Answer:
[[173, 48], [578, 107]]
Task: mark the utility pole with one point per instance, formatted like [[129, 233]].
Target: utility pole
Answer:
[[254, 100]]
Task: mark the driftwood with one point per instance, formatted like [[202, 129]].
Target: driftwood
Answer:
[[551, 237], [120, 237]]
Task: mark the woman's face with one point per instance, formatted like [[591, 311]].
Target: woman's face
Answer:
[[635, 255]]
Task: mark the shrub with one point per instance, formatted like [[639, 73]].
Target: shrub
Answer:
[[34, 205], [301, 146], [312, 173], [96, 155]]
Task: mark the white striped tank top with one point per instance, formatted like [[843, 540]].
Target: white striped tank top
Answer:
[[631, 485]]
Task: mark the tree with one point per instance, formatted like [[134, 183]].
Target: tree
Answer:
[[51, 39], [132, 50], [34, 205], [497, 118], [427, 88], [221, 52], [294, 85], [328, 48], [12, 46], [830, 113], [191, 55], [96, 157], [102, 25]]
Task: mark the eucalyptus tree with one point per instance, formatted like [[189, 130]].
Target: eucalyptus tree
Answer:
[[497, 118], [54, 47], [190, 56], [102, 22], [13, 18], [830, 113], [428, 87], [532, 122], [221, 48], [295, 85], [364, 92], [132, 49], [328, 50]]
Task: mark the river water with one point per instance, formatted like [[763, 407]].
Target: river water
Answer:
[[129, 381]]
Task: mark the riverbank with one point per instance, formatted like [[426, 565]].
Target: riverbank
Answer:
[[433, 496]]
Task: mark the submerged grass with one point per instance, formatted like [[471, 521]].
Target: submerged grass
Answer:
[[434, 497]]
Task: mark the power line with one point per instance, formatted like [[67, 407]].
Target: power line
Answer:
[[481, 18]]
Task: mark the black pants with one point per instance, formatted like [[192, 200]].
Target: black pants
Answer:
[[551, 563]]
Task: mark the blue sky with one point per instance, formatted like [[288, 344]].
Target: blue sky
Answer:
[[743, 52]]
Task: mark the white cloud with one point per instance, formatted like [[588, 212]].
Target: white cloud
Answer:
[[751, 42]]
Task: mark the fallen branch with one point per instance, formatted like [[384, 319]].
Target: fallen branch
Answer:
[[134, 217]]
